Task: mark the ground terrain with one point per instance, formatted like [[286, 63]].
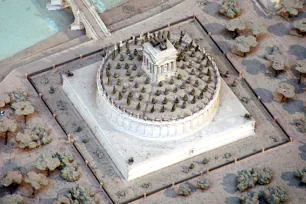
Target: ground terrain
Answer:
[[208, 29]]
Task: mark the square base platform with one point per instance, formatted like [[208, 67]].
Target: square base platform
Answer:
[[228, 126]]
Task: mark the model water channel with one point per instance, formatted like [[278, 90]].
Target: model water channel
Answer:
[[25, 23]]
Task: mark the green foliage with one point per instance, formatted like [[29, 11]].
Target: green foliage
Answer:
[[118, 82], [249, 198], [108, 66], [184, 105], [113, 55], [136, 85], [131, 57], [192, 92], [175, 90], [192, 72], [185, 98], [158, 92], [135, 52], [118, 66], [230, 8], [116, 75], [51, 90], [154, 100], [166, 92], [147, 81], [194, 100], [249, 178], [114, 90], [126, 66], [140, 97], [183, 86], [165, 101], [173, 107], [134, 67], [128, 101], [275, 195], [108, 73], [184, 190], [120, 95], [171, 81], [176, 100], [179, 76], [83, 195], [205, 161], [205, 88], [160, 84], [139, 58], [203, 184], [130, 95], [71, 173], [11, 178], [189, 80], [196, 83], [162, 109], [192, 54], [118, 47], [139, 74], [127, 73], [121, 57], [152, 109], [109, 81], [12, 199], [301, 174], [138, 106], [128, 51], [143, 90]]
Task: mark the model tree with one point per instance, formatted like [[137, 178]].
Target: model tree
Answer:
[[184, 190], [23, 109], [36, 180], [47, 162], [275, 195], [300, 27], [290, 8], [121, 57], [230, 8], [33, 138], [249, 197], [14, 199], [173, 107], [6, 126], [301, 174], [203, 184], [135, 52], [286, 91], [12, 178], [244, 44], [4, 99]]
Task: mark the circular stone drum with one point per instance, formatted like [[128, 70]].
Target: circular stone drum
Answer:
[[171, 109]]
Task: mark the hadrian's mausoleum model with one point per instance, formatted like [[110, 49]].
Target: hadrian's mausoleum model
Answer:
[[156, 102]]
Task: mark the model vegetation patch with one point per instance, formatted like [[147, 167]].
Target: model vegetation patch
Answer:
[[188, 92], [249, 178]]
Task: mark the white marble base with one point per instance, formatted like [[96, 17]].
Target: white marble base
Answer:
[[228, 126]]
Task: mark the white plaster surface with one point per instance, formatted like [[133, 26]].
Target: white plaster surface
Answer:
[[228, 126]]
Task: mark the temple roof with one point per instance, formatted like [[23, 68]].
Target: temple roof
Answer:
[[157, 54]]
